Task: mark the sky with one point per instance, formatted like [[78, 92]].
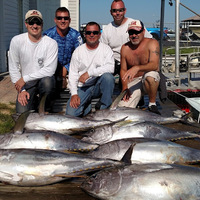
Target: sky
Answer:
[[148, 11]]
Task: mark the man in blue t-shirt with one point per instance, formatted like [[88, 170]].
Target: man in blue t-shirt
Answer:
[[68, 40]]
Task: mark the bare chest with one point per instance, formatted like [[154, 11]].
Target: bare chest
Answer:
[[137, 58]]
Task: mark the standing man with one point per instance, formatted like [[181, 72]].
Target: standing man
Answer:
[[90, 74], [32, 64], [115, 33], [68, 40], [139, 67]]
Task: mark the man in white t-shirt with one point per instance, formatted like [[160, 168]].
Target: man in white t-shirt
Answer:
[[115, 33], [32, 64], [90, 75]]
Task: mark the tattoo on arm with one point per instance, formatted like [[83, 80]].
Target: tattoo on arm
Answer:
[[156, 51]]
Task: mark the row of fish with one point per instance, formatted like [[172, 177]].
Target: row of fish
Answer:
[[60, 142], [151, 174], [121, 140]]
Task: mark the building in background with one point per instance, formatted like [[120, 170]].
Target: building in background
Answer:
[[12, 14], [191, 28]]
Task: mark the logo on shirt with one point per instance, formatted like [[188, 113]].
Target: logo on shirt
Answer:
[[40, 61]]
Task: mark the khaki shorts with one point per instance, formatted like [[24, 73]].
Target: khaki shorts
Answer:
[[137, 89]]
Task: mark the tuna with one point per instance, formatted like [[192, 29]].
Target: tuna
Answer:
[[58, 123], [145, 182], [44, 140], [147, 150], [132, 114], [124, 130], [31, 167]]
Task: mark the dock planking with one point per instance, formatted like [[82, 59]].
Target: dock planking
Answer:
[[66, 190]]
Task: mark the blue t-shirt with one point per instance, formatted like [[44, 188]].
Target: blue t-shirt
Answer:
[[66, 45]]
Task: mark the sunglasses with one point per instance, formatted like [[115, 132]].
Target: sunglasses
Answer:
[[60, 18], [32, 22], [90, 32], [120, 10], [131, 32]]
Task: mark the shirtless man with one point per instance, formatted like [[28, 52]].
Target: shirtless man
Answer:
[[139, 67]]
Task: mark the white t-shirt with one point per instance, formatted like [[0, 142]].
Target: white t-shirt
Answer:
[[96, 62], [115, 36], [32, 60]]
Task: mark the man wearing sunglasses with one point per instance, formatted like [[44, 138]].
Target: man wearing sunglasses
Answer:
[[115, 33], [139, 67], [32, 64], [90, 74], [68, 40]]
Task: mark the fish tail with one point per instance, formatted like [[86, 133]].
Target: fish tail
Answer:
[[41, 109], [20, 123], [117, 100]]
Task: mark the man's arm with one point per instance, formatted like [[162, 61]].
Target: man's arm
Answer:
[[73, 80], [123, 69], [14, 62]]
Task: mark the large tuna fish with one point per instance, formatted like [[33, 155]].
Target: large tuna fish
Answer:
[[147, 150], [44, 140], [145, 182], [133, 114], [57, 123], [29, 167], [123, 130]]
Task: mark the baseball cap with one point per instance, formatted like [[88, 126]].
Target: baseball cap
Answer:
[[136, 25], [33, 14]]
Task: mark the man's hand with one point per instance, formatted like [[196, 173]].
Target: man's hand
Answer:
[[23, 97], [19, 84], [127, 95], [130, 74], [75, 101], [84, 77]]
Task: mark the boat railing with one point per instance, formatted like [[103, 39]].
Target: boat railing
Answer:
[[189, 68], [170, 58]]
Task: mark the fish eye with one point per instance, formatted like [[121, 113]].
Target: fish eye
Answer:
[[92, 130]]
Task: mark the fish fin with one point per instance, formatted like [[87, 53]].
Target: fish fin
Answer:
[[115, 122], [71, 151], [69, 176], [15, 116], [20, 123], [127, 156], [125, 122], [185, 120], [117, 100], [193, 162], [41, 109]]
